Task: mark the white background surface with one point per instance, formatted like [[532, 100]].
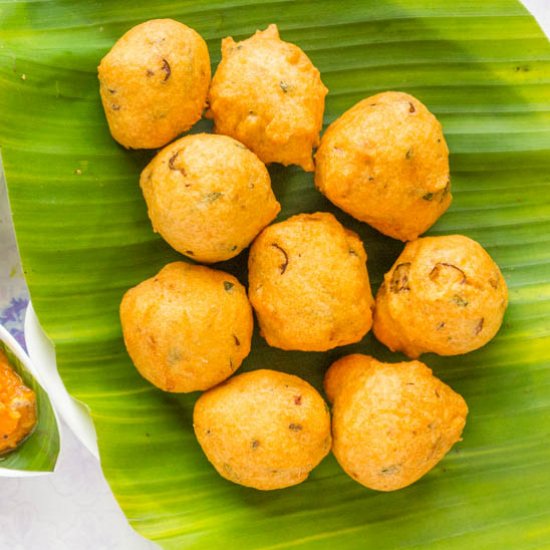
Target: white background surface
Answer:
[[73, 509]]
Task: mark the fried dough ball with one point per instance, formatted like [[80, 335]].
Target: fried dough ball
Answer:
[[188, 328], [17, 407], [263, 429], [267, 94], [386, 163], [153, 83], [391, 423], [309, 285], [208, 196], [444, 295]]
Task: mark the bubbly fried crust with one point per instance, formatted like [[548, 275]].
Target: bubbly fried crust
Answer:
[[309, 285], [263, 429], [17, 407], [188, 328], [153, 83], [444, 295], [267, 94], [385, 162], [391, 423], [208, 196]]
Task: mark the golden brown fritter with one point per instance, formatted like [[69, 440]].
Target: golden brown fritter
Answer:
[[385, 162], [444, 295], [267, 94], [188, 328], [391, 423], [263, 429], [309, 285], [208, 196], [153, 83], [17, 407]]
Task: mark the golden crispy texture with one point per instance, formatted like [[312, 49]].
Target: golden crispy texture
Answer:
[[391, 423], [385, 162], [153, 83], [188, 328], [263, 429], [309, 285], [208, 196], [444, 295], [267, 94], [17, 407]]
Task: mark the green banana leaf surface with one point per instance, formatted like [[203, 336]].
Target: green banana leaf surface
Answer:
[[483, 68], [39, 451]]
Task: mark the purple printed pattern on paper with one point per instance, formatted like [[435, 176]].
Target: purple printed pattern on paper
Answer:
[[13, 317]]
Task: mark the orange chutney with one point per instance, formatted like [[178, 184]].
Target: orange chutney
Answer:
[[17, 407]]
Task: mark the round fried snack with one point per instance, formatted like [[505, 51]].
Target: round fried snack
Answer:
[[17, 408], [391, 423], [263, 429], [153, 83], [309, 285], [188, 328], [385, 162], [444, 295], [208, 196], [267, 94]]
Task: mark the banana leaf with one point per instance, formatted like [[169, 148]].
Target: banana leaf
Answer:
[[38, 452], [484, 69]]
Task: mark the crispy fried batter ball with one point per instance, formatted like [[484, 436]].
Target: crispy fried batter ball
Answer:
[[391, 423], [309, 285], [188, 328], [267, 94], [153, 83], [263, 429], [444, 295], [17, 407], [385, 162], [208, 196]]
